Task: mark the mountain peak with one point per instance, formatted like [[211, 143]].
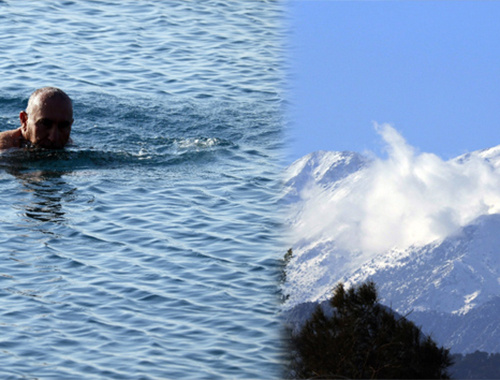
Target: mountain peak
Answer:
[[321, 168]]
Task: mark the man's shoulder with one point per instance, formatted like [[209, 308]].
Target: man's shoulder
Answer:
[[11, 139]]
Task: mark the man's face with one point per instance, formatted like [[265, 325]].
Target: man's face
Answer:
[[48, 124]]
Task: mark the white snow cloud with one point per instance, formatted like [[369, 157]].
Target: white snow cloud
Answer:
[[408, 198]]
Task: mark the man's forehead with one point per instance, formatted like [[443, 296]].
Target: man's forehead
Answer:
[[51, 103], [54, 115]]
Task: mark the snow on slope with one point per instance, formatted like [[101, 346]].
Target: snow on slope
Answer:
[[427, 231], [452, 276]]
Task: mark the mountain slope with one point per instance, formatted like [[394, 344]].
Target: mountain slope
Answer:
[[447, 281]]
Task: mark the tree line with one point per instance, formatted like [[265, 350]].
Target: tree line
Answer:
[[361, 339]]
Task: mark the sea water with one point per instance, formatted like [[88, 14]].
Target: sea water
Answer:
[[149, 247]]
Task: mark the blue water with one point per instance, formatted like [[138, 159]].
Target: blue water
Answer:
[[149, 248]]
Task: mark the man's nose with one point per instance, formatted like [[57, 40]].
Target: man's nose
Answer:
[[54, 133]]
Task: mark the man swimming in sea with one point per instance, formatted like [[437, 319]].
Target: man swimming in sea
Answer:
[[46, 123]]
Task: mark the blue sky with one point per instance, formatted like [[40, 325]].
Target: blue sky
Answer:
[[430, 68]]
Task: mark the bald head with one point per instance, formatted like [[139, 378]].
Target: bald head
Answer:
[[42, 95]]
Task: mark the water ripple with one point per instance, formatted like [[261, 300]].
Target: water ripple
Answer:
[[204, 49]]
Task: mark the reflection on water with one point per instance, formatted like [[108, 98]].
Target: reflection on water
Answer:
[[47, 188]]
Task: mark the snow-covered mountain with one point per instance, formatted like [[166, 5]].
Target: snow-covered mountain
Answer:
[[426, 231]]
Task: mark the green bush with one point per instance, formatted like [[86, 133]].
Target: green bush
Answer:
[[361, 339]]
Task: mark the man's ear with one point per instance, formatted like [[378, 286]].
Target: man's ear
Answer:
[[23, 117]]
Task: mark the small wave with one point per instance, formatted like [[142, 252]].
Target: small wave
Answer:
[[200, 142]]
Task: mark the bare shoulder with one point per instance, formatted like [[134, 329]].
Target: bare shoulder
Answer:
[[10, 139]]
